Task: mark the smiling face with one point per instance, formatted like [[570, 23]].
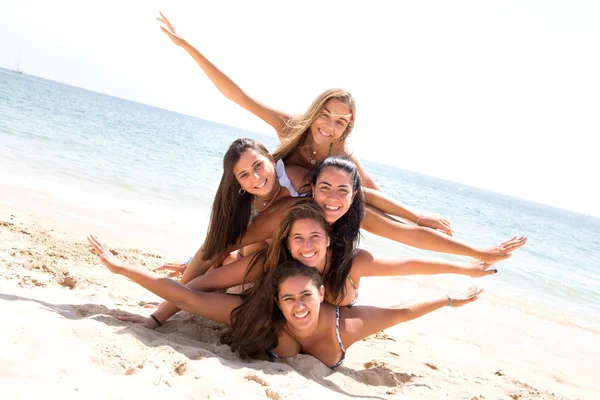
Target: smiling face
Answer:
[[308, 243], [333, 193], [300, 301], [255, 173], [331, 123]]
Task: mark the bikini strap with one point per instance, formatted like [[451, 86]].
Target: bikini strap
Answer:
[[337, 329]]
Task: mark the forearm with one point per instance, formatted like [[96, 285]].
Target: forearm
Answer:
[[197, 266], [416, 236], [363, 321], [212, 281], [431, 266], [417, 309], [221, 81], [163, 287], [388, 205]]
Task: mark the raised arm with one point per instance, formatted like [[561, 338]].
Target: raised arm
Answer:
[[366, 179], [214, 306], [225, 85], [383, 202], [379, 224], [366, 264], [358, 322]]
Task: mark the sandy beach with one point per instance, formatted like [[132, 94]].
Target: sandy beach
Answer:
[[60, 336]]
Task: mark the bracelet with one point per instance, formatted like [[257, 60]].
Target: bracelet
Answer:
[[159, 324], [419, 219], [449, 301]]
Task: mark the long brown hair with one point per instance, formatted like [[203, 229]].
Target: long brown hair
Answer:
[[231, 211], [257, 322], [296, 130]]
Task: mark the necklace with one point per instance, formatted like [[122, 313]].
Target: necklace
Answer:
[[314, 153], [310, 159], [267, 199]]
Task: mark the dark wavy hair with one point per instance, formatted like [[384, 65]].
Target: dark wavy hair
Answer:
[[231, 211], [257, 322], [345, 232]]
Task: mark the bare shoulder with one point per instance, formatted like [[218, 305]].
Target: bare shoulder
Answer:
[[362, 256], [298, 176], [287, 346]]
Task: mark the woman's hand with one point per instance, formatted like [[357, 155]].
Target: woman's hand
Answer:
[[146, 322], [477, 269], [503, 251], [111, 262], [465, 297], [176, 269], [169, 30], [436, 221]]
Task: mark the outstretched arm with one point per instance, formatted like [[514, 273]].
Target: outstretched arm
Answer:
[[358, 322], [366, 264], [380, 224], [390, 206], [214, 306], [219, 278], [225, 85]]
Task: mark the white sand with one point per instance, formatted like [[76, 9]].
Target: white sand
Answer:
[[60, 337]]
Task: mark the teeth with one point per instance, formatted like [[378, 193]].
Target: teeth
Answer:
[[323, 133], [301, 315], [308, 255], [332, 208], [261, 185]]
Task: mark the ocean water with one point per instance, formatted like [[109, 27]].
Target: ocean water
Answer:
[[82, 147]]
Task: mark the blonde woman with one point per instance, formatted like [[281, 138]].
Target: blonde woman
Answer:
[[308, 139]]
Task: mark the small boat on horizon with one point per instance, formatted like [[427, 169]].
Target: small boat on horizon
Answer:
[[18, 69]]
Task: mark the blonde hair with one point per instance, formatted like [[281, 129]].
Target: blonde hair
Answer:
[[296, 129]]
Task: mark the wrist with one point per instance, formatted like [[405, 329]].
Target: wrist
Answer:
[[155, 321], [419, 218], [448, 300]]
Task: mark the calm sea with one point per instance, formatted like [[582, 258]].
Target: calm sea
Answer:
[[81, 146]]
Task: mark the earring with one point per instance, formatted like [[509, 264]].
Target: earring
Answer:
[[241, 192]]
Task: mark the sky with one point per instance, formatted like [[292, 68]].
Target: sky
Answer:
[[501, 95]]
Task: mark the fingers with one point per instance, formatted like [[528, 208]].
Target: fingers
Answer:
[[131, 318], [98, 247], [170, 267]]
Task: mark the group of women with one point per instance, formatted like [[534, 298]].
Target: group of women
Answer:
[[285, 227]]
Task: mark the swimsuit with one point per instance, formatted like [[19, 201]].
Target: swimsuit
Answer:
[[337, 332], [353, 302], [284, 180]]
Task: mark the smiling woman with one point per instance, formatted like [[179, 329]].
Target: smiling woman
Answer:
[[305, 236], [287, 315]]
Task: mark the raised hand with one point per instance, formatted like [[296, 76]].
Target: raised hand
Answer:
[[436, 221], [465, 297], [106, 257], [169, 30], [501, 252]]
